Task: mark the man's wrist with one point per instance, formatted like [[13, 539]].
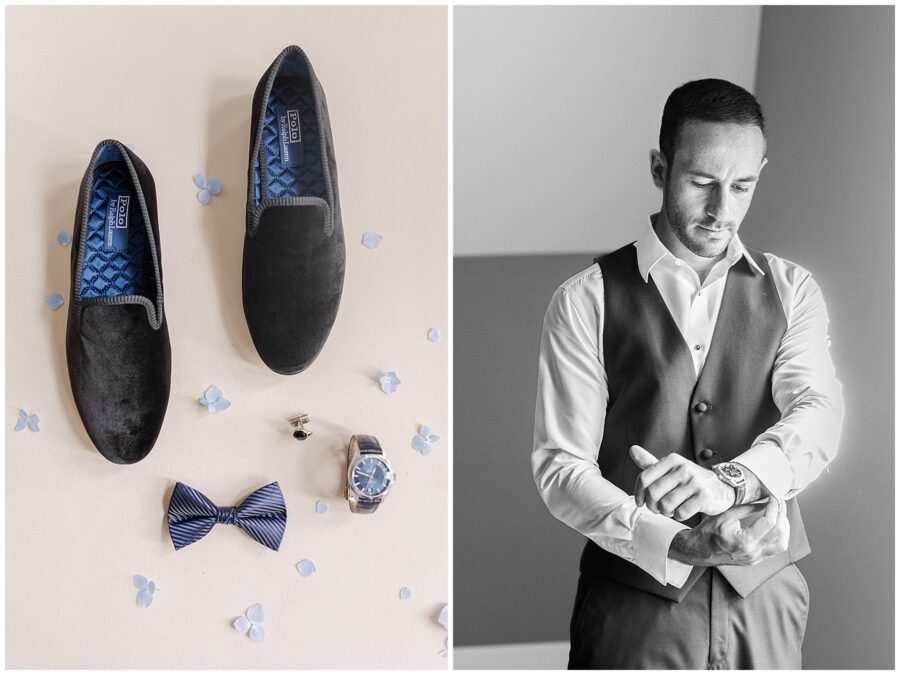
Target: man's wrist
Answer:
[[681, 550]]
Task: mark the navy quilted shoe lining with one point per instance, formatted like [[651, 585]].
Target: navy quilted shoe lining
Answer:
[[114, 262], [291, 140]]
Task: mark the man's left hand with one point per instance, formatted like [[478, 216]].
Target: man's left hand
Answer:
[[677, 487]]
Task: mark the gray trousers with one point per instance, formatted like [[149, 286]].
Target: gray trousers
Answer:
[[616, 626]]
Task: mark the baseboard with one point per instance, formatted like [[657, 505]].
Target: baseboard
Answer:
[[524, 656]]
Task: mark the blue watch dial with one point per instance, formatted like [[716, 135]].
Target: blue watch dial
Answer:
[[371, 476]]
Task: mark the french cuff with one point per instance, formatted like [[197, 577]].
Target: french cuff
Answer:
[[652, 538], [771, 467]]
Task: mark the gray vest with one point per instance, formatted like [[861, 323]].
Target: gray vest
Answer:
[[656, 400]]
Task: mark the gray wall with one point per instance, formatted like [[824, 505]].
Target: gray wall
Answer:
[[826, 200], [825, 77], [556, 109]]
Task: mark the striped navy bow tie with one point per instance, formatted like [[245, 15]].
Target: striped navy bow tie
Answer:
[[262, 515]]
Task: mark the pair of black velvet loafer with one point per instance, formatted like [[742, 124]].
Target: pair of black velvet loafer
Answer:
[[117, 339]]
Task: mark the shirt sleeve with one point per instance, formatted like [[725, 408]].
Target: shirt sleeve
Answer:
[[569, 420], [791, 454]]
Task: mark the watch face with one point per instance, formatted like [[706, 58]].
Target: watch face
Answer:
[[371, 476], [731, 472]]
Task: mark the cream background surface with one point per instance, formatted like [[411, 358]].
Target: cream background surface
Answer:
[[177, 83]]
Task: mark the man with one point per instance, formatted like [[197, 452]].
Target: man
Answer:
[[700, 370]]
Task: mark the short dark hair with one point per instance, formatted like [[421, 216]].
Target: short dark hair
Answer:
[[708, 100]]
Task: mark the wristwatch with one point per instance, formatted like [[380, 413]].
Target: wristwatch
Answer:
[[732, 475], [369, 474]]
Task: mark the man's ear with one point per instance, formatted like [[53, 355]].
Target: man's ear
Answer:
[[764, 162], [658, 169]]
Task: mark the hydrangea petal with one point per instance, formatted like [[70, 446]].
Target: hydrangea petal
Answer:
[[419, 444], [214, 186], [389, 382], [371, 239], [405, 593], [144, 598], [54, 301], [321, 506], [306, 568], [33, 422], [212, 394], [241, 624], [444, 616], [140, 582], [63, 238], [424, 431], [20, 424], [434, 334], [151, 587], [257, 633], [200, 181], [203, 197], [221, 404], [256, 614]]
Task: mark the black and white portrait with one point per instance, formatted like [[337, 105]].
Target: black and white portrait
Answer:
[[673, 315]]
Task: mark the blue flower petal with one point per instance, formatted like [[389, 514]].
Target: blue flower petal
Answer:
[[144, 598], [221, 404], [200, 181], [371, 239], [203, 196], [306, 568], [151, 587], [212, 394], [434, 334], [444, 616], [214, 186], [63, 238], [241, 625], [140, 582], [389, 382], [405, 593], [321, 506], [205, 401], [419, 444], [257, 633], [130, 146], [432, 438], [33, 422], [424, 431], [54, 301], [20, 424], [256, 614]]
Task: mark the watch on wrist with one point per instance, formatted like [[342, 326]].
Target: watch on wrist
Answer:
[[369, 474], [732, 475]]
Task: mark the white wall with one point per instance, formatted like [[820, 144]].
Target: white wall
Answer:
[[556, 109]]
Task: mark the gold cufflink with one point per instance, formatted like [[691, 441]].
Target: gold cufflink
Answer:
[[297, 421]]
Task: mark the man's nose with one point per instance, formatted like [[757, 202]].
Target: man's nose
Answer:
[[719, 204]]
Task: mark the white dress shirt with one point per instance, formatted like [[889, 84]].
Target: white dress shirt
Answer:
[[572, 396]]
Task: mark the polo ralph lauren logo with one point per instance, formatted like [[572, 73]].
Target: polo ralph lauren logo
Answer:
[[117, 223]]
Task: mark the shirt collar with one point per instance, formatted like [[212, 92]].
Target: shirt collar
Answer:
[[650, 251]]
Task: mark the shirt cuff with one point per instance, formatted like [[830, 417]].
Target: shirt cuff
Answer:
[[652, 538], [771, 467]]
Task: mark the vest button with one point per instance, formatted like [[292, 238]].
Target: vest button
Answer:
[[707, 453], [701, 407]]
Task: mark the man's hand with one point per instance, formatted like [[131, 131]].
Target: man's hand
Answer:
[[678, 488], [740, 536]]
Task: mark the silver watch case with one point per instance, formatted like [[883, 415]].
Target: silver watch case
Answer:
[[353, 495]]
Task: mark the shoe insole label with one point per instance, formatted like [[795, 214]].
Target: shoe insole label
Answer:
[[289, 136], [117, 211]]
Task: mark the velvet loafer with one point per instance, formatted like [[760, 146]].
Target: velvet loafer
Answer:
[[117, 340], [294, 254]]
